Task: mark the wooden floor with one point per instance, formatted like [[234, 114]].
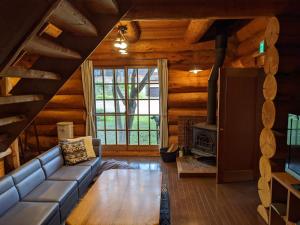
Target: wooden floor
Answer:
[[199, 201]]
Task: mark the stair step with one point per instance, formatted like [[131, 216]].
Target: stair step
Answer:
[[67, 17], [28, 73], [12, 99], [11, 119], [45, 47], [103, 6], [5, 153]]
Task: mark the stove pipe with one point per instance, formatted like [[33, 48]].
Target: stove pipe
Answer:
[[221, 45]]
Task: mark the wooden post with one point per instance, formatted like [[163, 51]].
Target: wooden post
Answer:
[[2, 161], [270, 141], [2, 168]]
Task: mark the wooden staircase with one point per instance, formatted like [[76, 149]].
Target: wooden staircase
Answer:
[[81, 26]]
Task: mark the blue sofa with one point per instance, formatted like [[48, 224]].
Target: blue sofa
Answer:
[[44, 191]]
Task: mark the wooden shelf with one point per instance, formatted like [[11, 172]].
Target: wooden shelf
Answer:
[[280, 209], [287, 180], [285, 206]]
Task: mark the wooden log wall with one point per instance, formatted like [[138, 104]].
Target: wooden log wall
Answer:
[[187, 98], [66, 105], [281, 64], [249, 38]]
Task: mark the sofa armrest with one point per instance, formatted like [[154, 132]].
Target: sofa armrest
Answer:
[[97, 147]]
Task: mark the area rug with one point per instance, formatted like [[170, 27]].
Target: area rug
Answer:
[[165, 201], [164, 206]]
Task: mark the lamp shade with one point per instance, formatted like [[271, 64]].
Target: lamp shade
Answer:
[[65, 130]]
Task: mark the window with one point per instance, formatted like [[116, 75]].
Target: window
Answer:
[[127, 105]]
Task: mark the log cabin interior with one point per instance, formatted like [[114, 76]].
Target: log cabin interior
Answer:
[[119, 112]]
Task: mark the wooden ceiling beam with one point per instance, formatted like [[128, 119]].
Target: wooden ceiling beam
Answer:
[[205, 57], [196, 29], [253, 27], [133, 30], [214, 9], [173, 56], [163, 45]]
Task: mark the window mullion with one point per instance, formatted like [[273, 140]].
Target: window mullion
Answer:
[[104, 112], [115, 102], [138, 105], [126, 105]]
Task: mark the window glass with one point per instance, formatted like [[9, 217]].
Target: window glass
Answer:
[[127, 105]]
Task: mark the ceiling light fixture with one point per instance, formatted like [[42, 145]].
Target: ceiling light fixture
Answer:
[[123, 51], [196, 69], [121, 42]]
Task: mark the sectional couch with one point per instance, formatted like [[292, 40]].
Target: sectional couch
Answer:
[[44, 190]]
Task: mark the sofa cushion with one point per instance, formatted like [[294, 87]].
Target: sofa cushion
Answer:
[[28, 177], [93, 162], [75, 173], [74, 152], [31, 213], [51, 160], [9, 195], [52, 191]]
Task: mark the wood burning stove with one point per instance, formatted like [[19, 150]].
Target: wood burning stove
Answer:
[[204, 140], [205, 134]]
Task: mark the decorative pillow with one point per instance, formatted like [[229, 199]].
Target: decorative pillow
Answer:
[[74, 152], [88, 142]]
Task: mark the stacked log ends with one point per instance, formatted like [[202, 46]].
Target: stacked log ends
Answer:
[[269, 140], [272, 31], [265, 168], [263, 212], [248, 41], [264, 192], [267, 143], [268, 114], [270, 87], [271, 61]]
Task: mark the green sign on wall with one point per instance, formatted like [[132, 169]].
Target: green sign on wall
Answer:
[[262, 47]]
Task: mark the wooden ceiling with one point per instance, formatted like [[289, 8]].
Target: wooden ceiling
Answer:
[[216, 9], [156, 29], [156, 36]]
